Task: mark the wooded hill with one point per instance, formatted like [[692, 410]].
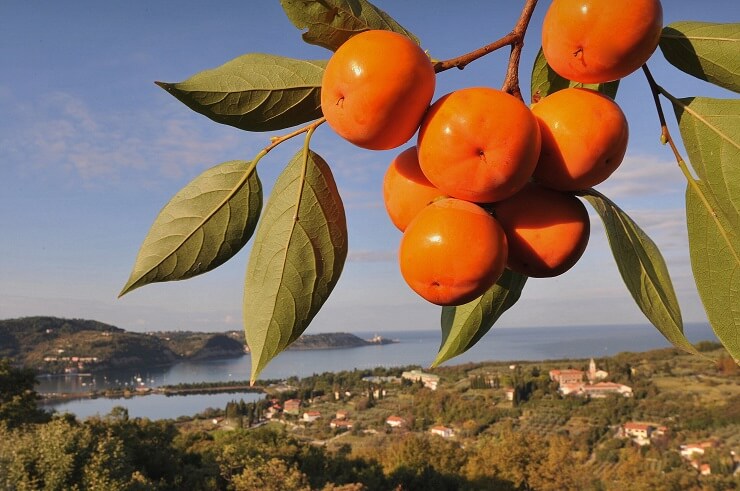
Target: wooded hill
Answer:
[[53, 345]]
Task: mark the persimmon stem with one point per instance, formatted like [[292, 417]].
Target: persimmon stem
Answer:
[[515, 39], [277, 140]]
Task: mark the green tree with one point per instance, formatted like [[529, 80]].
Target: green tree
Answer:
[[18, 399]]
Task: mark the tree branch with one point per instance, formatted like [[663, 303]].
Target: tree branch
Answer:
[[515, 39]]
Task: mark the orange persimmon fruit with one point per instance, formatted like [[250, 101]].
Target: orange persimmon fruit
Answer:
[[584, 138], [596, 41], [376, 88], [452, 252], [406, 190], [478, 144], [547, 230]]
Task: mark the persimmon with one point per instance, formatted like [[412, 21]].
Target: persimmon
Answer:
[[452, 252], [376, 88], [478, 144], [547, 230], [406, 190], [584, 138], [596, 41]]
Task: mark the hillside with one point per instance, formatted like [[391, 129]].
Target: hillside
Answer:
[[55, 345]]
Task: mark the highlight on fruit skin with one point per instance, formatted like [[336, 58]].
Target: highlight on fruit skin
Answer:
[[597, 41], [376, 88], [406, 190], [478, 144], [584, 138], [452, 252], [547, 230]]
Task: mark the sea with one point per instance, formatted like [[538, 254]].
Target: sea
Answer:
[[413, 348]]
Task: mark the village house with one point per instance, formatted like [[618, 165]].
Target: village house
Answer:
[[292, 406], [442, 431], [341, 414], [271, 412], [311, 416], [603, 389], [690, 451], [509, 392], [567, 376], [430, 381], [640, 433], [395, 421], [340, 424]]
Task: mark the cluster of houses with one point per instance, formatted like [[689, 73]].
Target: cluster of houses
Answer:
[[399, 422], [644, 433], [341, 418], [587, 384], [294, 407], [73, 363]]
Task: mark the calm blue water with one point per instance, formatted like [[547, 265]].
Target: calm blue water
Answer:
[[154, 406], [414, 348]]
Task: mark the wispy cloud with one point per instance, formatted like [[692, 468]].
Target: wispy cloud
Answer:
[[61, 132], [643, 176]]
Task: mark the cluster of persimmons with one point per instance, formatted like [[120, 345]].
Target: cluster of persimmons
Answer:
[[491, 183]]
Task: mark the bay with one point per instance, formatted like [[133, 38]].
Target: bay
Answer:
[[414, 348]]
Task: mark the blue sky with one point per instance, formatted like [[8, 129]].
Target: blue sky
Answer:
[[91, 149]]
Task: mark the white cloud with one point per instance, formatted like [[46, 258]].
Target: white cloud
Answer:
[[644, 176], [60, 132]]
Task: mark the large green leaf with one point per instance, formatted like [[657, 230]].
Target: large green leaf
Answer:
[[710, 129], [255, 92], [715, 259], [330, 23], [545, 81], [643, 270], [463, 326], [202, 226], [706, 50], [298, 254]]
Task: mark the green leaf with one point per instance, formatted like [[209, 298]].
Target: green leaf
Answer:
[[202, 226], [643, 270], [710, 129], [255, 92], [714, 247], [463, 326], [298, 254], [706, 50], [331, 22], [545, 81]]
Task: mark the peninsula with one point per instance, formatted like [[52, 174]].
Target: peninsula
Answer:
[[57, 345]]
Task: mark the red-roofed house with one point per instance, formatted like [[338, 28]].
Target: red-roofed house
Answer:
[[566, 376], [292, 406], [442, 431], [341, 424], [311, 416]]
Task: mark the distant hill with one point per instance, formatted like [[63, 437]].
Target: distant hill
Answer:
[[56, 345]]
